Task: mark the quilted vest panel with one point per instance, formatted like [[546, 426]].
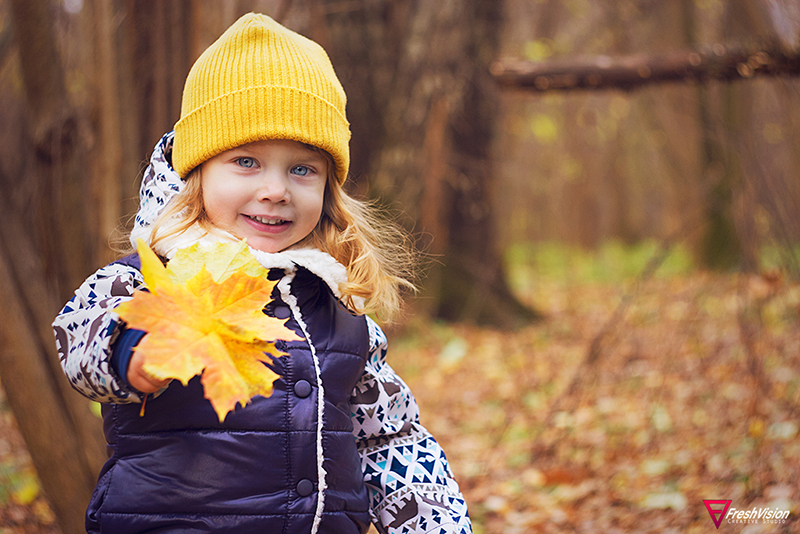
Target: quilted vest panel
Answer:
[[178, 469]]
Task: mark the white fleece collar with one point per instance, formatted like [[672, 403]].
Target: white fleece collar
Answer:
[[318, 262]]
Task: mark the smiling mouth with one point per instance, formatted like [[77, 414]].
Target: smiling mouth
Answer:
[[264, 220]]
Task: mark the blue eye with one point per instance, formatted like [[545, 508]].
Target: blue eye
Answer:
[[247, 163], [301, 170]]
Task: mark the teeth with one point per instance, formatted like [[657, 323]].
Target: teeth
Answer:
[[263, 220]]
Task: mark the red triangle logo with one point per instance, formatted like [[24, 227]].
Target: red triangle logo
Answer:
[[717, 510]]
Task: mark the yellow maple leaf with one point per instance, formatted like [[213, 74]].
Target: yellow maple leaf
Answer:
[[220, 259], [203, 314]]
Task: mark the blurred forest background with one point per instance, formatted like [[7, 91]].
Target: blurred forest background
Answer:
[[608, 192]]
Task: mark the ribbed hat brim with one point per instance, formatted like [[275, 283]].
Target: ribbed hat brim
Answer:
[[261, 81]]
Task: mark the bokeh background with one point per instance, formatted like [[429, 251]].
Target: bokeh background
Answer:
[[606, 195]]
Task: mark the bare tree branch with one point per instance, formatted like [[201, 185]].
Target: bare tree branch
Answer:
[[716, 62]]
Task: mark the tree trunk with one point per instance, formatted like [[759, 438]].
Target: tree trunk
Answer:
[[107, 181], [52, 421], [65, 234], [473, 286], [730, 237], [155, 47], [424, 111], [39, 271], [720, 246]]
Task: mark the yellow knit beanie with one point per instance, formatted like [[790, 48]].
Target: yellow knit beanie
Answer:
[[259, 81]]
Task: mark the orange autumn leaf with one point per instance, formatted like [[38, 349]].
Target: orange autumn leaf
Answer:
[[203, 314]]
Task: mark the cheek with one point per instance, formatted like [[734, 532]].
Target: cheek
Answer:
[[310, 199], [216, 204], [321, 202], [320, 206], [211, 210]]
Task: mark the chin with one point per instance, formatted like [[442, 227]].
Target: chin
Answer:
[[266, 248]]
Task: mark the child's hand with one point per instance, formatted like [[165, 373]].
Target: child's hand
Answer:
[[141, 380]]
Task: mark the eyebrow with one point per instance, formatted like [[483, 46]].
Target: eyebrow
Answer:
[[316, 154], [307, 151]]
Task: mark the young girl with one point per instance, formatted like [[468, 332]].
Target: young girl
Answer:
[[260, 153]]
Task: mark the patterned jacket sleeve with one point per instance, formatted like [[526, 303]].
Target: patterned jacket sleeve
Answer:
[[87, 328], [410, 485]]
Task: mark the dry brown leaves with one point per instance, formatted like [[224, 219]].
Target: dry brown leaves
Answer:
[[23, 509], [695, 395]]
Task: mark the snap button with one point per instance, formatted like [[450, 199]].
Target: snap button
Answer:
[[305, 487], [282, 312], [302, 388]]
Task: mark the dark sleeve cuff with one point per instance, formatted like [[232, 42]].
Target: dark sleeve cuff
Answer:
[[122, 350]]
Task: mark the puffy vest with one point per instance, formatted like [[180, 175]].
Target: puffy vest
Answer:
[[178, 469]]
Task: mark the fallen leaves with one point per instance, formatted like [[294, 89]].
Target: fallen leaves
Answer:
[[204, 316], [671, 417], [23, 506], [671, 414]]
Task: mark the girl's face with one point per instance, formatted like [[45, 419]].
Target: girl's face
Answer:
[[267, 192]]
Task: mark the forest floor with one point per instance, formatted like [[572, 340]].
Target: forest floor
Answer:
[[631, 403]]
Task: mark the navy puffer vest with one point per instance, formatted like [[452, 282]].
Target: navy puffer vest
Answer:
[[178, 469]]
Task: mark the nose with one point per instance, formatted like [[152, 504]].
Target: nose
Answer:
[[273, 188]]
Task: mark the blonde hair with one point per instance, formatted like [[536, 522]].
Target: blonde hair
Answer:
[[378, 254]]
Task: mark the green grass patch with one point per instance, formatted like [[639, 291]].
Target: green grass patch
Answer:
[[612, 262], [776, 257]]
